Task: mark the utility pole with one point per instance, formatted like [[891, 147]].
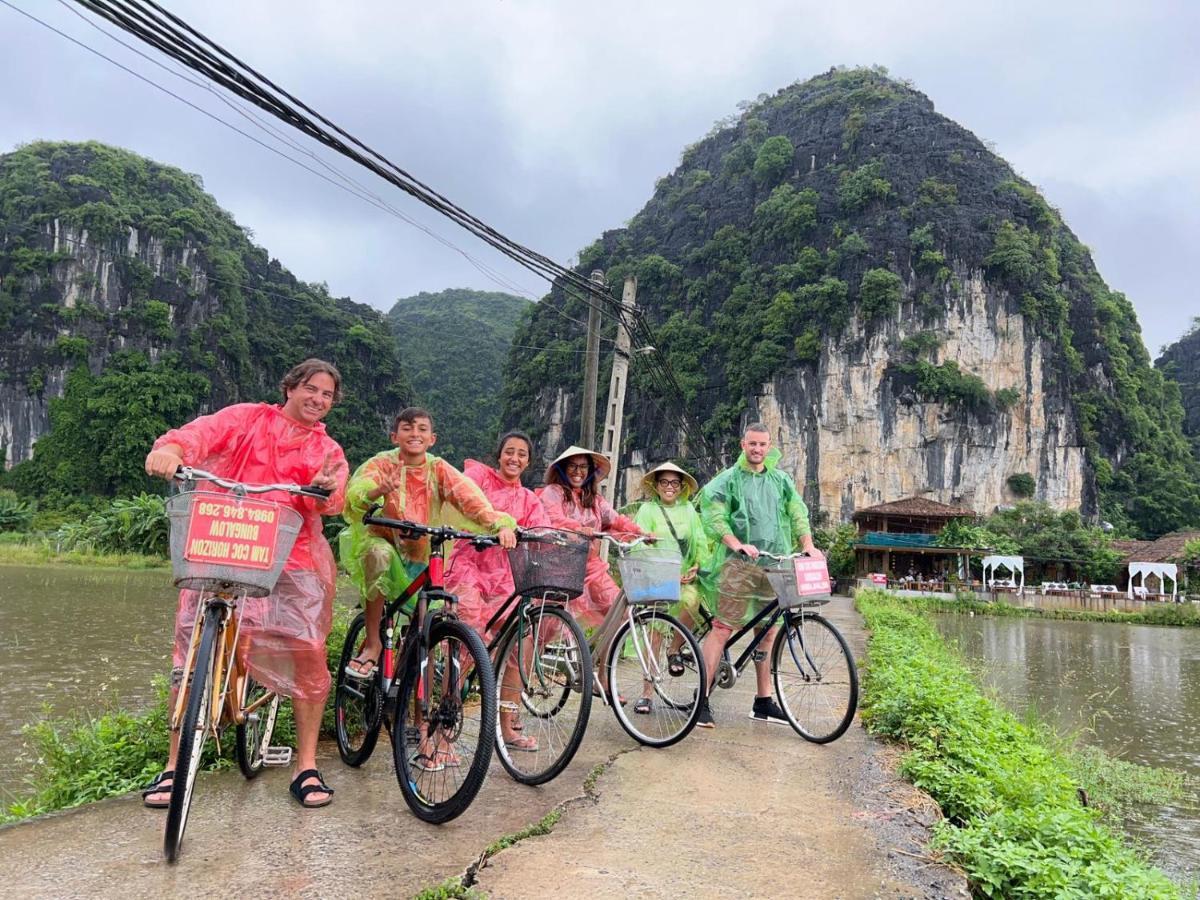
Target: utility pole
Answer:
[[591, 371], [614, 417]]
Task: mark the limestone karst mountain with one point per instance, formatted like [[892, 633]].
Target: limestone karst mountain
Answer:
[[906, 312]]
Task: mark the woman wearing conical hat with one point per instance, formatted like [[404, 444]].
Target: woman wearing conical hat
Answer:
[[573, 501], [668, 513]]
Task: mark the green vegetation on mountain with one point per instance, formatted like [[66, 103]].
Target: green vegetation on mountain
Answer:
[[848, 199], [1180, 362], [455, 345], [126, 284]]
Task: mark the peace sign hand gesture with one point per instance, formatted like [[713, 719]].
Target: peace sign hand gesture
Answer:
[[326, 478]]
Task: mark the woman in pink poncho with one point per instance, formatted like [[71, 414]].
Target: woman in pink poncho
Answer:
[[283, 635], [482, 580], [573, 501]]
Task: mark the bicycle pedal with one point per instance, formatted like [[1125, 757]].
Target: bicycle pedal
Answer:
[[278, 756]]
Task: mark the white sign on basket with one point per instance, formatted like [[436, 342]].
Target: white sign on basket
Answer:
[[812, 577]]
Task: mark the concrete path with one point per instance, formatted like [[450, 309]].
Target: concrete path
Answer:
[[746, 810]]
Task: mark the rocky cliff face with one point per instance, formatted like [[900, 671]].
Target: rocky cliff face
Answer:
[[906, 313], [105, 254]]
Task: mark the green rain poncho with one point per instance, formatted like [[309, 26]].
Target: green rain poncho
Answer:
[[760, 508], [693, 543]]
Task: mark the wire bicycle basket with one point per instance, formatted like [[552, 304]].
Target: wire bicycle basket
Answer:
[[651, 575], [785, 581], [221, 541], [550, 561]]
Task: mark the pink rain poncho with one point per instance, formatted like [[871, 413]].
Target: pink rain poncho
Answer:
[[283, 635], [482, 579], [565, 511]]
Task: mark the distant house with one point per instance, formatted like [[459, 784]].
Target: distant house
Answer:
[[897, 538]]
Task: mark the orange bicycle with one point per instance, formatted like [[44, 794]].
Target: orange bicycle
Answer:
[[228, 547]]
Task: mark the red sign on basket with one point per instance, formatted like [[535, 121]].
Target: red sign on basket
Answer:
[[812, 577], [232, 532]]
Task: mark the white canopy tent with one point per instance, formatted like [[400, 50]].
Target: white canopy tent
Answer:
[[1014, 564], [1161, 571]]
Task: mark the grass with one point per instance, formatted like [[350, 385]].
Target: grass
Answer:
[[43, 552], [1013, 817], [81, 759]]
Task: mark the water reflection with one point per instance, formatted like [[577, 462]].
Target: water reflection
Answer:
[[1133, 690]]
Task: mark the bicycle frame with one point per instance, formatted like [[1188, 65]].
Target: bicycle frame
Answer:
[[762, 623], [228, 670]]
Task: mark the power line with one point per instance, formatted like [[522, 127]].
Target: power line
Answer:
[[151, 23]]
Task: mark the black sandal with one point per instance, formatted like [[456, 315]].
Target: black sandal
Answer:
[[156, 787], [675, 665], [301, 791], [643, 707]]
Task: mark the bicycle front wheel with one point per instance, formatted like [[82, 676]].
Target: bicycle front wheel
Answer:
[[639, 670], [192, 733], [816, 680], [445, 728], [544, 675], [357, 703], [254, 734]]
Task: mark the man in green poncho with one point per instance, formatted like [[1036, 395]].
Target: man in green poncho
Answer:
[[748, 509]]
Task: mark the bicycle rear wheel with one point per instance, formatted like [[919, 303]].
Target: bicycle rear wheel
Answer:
[[816, 680], [442, 757], [544, 676], [357, 703], [192, 732], [675, 701], [254, 734]]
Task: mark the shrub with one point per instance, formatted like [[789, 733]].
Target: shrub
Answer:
[[1007, 398], [774, 160], [879, 293], [1022, 484], [857, 189], [16, 514]]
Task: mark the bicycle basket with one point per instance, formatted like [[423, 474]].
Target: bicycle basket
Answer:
[[219, 541], [651, 576], [552, 561], [785, 584]]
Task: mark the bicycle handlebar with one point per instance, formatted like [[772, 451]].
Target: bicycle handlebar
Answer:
[[784, 558], [187, 473]]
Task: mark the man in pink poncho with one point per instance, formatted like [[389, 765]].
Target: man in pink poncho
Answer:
[[283, 634]]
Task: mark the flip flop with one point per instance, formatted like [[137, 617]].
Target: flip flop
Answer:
[[363, 674], [675, 665], [426, 763], [643, 707], [523, 743]]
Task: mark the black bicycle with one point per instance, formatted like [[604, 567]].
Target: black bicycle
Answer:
[[435, 692], [812, 668], [542, 661]]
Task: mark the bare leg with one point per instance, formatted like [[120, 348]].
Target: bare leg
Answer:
[[762, 668], [714, 645], [308, 727]]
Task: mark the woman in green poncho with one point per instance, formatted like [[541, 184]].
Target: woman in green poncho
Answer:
[[669, 515]]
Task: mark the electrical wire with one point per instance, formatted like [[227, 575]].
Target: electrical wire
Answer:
[[152, 24]]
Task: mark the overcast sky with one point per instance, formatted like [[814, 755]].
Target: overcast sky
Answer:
[[552, 120]]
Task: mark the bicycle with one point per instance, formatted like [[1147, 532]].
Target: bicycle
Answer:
[[541, 657], [435, 693], [812, 668], [648, 632], [228, 548]]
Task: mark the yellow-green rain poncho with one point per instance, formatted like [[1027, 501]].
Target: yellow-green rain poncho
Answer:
[[760, 508], [431, 493], [693, 542]]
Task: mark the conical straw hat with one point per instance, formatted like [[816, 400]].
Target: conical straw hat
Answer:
[[690, 485], [599, 460]]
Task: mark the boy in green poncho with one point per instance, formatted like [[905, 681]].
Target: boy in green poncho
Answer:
[[747, 509]]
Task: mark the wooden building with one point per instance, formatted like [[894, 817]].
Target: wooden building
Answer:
[[897, 539]]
